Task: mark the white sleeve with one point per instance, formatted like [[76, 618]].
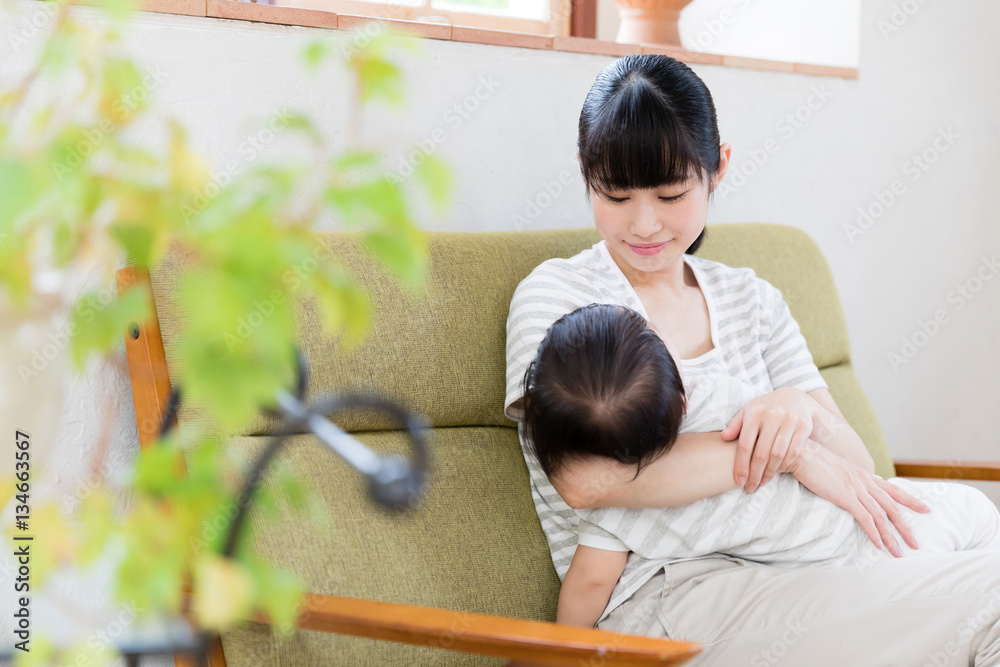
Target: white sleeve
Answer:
[[592, 535], [538, 302], [786, 354]]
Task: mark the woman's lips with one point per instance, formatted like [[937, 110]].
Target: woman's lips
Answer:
[[648, 249]]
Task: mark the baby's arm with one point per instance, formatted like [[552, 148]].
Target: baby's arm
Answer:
[[588, 584]]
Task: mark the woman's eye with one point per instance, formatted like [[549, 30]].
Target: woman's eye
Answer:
[[617, 200], [674, 198]]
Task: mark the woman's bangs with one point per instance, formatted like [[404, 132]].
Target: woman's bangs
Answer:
[[654, 150]]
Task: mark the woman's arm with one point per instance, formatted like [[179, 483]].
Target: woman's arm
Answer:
[[698, 465], [872, 501], [588, 585], [831, 430]]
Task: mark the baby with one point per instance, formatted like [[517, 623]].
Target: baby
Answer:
[[603, 384]]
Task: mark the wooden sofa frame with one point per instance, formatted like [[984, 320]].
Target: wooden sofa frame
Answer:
[[532, 641]]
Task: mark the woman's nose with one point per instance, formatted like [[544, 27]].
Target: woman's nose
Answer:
[[645, 222]]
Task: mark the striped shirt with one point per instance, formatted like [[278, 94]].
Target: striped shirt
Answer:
[[755, 339]]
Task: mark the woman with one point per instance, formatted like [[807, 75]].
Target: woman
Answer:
[[650, 155]]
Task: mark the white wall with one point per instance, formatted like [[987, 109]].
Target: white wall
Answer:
[[938, 71]]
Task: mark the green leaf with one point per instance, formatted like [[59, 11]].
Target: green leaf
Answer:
[[403, 252], [160, 468], [137, 241], [298, 122], [353, 159], [236, 351], [344, 305], [380, 79], [97, 327], [315, 52], [435, 176], [18, 190], [279, 594], [379, 202], [42, 654], [123, 87]]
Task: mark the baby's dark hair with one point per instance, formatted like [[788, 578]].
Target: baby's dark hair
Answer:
[[602, 383]]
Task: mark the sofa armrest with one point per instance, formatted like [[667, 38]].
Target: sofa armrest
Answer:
[[531, 641], [986, 471]]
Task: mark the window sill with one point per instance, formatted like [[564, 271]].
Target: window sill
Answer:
[[244, 11]]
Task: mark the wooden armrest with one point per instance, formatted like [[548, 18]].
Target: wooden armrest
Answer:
[[986, 471], [531, 641]]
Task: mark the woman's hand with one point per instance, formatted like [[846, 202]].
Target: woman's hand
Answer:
[[768, 427], [872, 501]]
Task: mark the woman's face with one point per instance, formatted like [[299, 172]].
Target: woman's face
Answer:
[[649, 230]]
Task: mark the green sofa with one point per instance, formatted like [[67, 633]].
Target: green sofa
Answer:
[[475, 544]]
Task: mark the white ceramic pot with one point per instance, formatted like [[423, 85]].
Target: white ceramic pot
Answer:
[[650, 21]]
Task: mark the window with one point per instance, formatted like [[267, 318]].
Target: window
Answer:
[[549, 17]]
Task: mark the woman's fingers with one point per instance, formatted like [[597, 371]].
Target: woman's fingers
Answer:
[[904, 498], [866, 521], [762, 451], [891, 504], [782, 442], [745, 446], [733, 427], [882, 524]]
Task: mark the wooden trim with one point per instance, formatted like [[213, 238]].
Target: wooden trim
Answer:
[[182, 7], [532, 641], [147, 363], [247, 11], [757, 63], [583, 18], [461, 33], [412, 28], [150, 380], [682, 54], [827, 70], [985, 471], [596, 46]]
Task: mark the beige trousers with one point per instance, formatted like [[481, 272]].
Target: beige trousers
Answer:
[[921, 610]]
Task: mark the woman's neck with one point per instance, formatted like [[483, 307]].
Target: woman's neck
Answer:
[[677, 277]]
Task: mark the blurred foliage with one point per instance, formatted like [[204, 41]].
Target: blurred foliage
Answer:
[[77, 190]]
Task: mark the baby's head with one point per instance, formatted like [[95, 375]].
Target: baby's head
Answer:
[[602, 383]]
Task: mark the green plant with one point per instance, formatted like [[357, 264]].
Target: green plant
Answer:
[[78, 192]]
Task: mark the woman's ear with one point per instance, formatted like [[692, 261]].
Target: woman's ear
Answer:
[[724, 152]]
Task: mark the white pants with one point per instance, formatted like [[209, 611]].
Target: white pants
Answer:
[[962, 518], [930, 608]]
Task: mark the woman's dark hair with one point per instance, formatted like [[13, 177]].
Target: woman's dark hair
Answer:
[[602, 383], [648, 121]]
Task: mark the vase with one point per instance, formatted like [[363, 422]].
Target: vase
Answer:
[[650, 21]]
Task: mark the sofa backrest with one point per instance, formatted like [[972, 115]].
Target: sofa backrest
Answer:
[[475, 544]]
